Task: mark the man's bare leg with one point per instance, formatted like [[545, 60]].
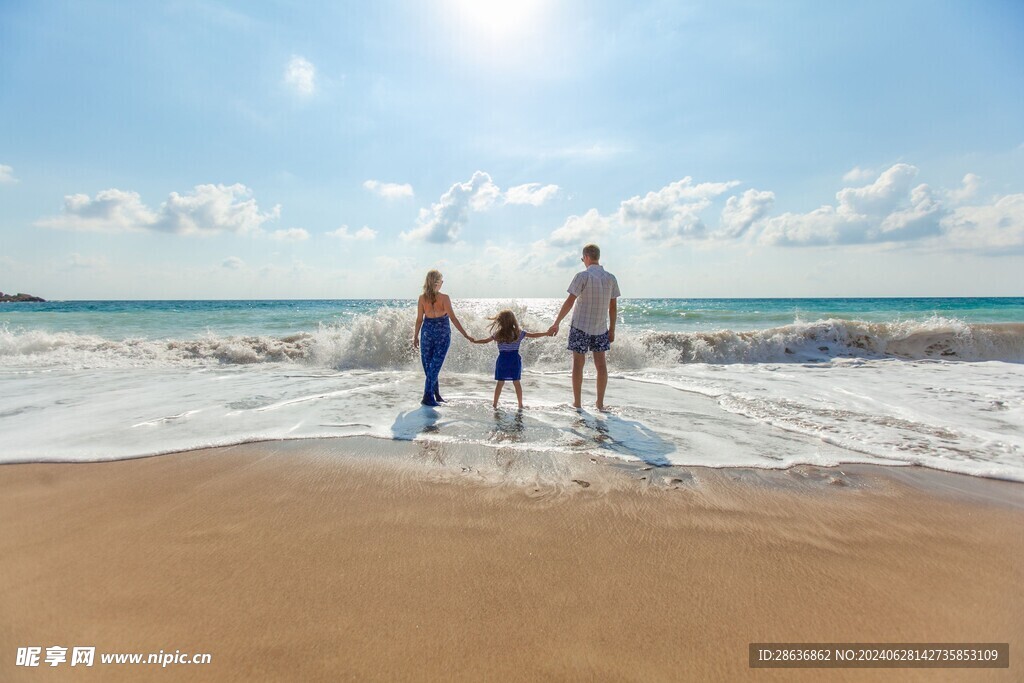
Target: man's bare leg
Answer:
[[600, 363], [578, 360]]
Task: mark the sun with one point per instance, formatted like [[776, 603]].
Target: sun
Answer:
[[498, 20]]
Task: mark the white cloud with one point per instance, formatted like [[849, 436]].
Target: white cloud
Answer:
[[213, 208], [579, 230], [880, 197], [858, 175], [486, 195], [821, 226], [7, 174], [208, 209], [233, 263], [365, 233], [443, 221], [568, 260], [670, 215], [968, 189], [890, 210], [290, 235], [112, 210], [920, 219], [389, 190], [672, 212], [741, 212], [530, 193], [300, 75], [887, 210], [996, 227]]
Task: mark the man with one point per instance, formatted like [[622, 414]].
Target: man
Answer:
[[592, 299]]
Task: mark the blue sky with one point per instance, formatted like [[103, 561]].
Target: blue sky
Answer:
[[201, 149]]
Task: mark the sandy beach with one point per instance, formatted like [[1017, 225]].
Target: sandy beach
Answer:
[[311, 561]]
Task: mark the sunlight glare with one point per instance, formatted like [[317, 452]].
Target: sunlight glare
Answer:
[[498, 20]]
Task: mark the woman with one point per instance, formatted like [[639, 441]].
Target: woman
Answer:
[[433, 311]]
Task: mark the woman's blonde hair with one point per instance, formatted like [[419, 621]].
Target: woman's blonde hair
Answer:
[[505, 327], [430, 285]]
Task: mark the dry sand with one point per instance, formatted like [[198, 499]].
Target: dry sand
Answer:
[[301, 562]]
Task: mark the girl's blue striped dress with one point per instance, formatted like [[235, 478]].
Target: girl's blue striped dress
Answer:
[[509, 366]]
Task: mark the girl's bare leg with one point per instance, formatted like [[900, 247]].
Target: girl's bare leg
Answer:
[[519, 392], [497, 392]]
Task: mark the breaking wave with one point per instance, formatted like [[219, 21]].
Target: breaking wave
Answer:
[[384, 340]]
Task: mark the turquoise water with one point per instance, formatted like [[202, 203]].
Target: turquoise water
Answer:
[[753, 314], [118, 320]]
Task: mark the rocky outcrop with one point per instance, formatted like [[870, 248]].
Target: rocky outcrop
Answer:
[[6, 298]]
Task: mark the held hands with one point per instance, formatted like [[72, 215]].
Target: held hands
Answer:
[[553, 330]]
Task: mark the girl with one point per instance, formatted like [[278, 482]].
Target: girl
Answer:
[[509, 366], [432, 314]]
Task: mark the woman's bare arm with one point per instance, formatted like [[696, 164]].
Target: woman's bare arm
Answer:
[[419, 322], [454, 318]]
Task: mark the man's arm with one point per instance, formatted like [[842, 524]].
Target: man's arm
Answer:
[[566, 307], [613, 308]]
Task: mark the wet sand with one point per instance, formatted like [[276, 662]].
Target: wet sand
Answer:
[[313, 561]]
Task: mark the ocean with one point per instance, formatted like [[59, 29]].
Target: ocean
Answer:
[[762, 383]]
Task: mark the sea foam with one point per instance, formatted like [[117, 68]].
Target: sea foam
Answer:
[[939, 392], [384, 340]]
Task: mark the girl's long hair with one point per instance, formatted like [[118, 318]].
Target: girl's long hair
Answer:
[[430, 285], [505, 327]]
